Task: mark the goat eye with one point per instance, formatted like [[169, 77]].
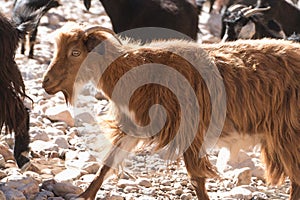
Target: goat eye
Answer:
[[76, 53]]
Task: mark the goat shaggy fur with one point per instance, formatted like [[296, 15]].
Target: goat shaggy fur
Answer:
[[13, 113], [261, 79]]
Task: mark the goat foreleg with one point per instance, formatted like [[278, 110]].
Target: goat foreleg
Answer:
[[117, 154], [22, 140]]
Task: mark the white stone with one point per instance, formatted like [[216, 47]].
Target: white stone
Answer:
[[239, 192], [122, 183], [67, 175], [39, 145]]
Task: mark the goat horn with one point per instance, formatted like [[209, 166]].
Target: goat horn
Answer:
[[101, 28], [98, 28], [235, 7], [244, 10], [254, 11]]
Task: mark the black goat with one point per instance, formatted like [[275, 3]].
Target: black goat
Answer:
[[286, 14], [280, 19], [240, 21], [221, 4], [13, 114], [21, 12], [178, 15]]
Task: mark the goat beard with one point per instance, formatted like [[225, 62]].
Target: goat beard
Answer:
[[67, 97]]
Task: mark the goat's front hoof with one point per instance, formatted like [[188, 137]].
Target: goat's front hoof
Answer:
[[80, 198], [23, 162], [75, 197], [83, 196]]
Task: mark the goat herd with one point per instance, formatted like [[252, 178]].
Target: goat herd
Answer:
[[255, 81]]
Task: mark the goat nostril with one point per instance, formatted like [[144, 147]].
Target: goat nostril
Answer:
[[46, 79]]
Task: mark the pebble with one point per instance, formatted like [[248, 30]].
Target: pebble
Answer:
[[166, 182], [44, 195], [144, 182], [186, 197], [91, 167], [243, 176], [116, 197], [38, 134], [6, 152], [62, 189], [61, 142]]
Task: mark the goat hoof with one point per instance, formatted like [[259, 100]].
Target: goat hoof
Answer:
[[22, 161]]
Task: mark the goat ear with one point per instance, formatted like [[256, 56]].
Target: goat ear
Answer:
[[92, 41]]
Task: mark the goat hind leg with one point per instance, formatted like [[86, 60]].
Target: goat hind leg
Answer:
[[196, 169], [23, 44], [117, 154], [32, 39]]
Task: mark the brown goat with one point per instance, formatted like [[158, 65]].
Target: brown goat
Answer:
[[261, 79]]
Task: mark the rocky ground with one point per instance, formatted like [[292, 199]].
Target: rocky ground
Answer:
[[61, 164]]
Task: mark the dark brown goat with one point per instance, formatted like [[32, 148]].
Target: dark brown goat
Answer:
[[178, 15], [260, 77], [13, 114], [22, 11]]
